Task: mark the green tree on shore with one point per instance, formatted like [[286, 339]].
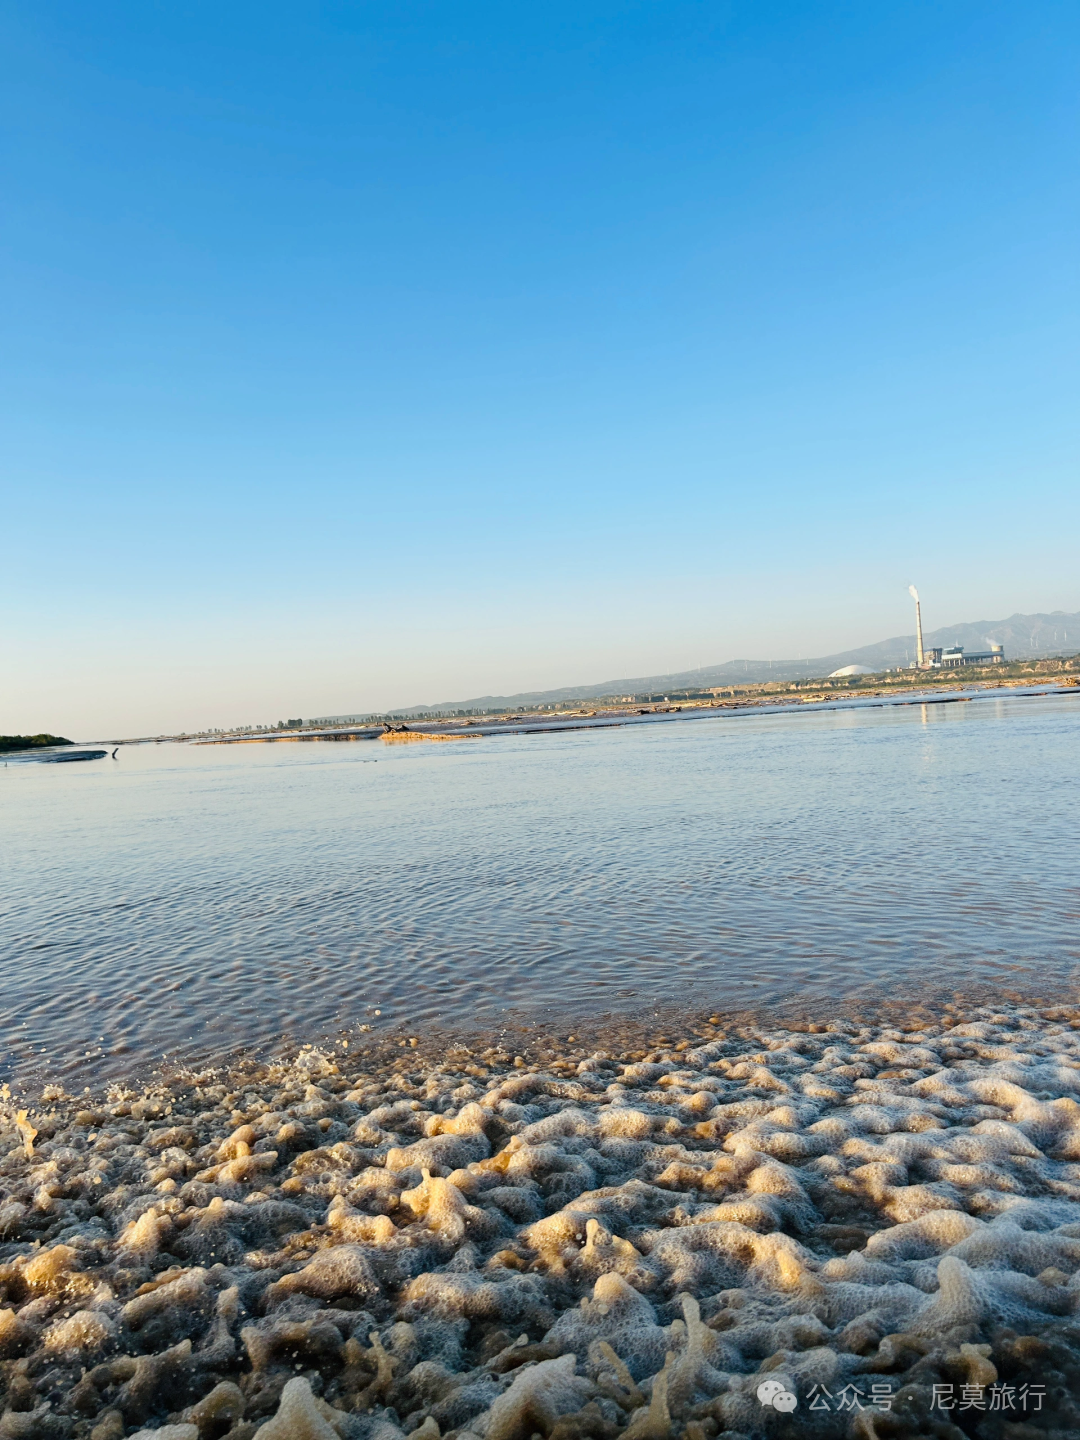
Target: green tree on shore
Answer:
[[30, 742]]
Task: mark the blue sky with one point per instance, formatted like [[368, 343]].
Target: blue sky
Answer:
[[364, 354]]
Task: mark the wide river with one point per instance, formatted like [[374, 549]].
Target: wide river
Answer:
[[182, 900]]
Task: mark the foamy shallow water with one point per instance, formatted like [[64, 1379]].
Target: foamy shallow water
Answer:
[[184, 900], [842, 1230]]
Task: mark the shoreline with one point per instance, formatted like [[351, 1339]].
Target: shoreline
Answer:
[[633, 1024], [498, 1241], [755, 698], [613, 717]]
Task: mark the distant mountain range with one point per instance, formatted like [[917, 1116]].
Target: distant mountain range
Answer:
[[1023, 636]]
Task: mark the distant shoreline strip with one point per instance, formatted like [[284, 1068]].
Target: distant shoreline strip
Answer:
[[616, 719]]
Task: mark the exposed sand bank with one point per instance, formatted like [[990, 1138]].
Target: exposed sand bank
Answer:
[[561, 1244]]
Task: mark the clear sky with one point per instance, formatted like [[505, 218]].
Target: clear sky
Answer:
[[365, 354]]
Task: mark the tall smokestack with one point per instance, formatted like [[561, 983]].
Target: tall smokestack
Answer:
[[918, 626]]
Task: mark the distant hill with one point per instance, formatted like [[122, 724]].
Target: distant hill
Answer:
[[1023, 636]]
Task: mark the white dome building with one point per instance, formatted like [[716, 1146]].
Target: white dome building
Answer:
[[851, 670]]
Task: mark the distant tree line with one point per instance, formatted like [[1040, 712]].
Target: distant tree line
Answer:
[[30, 742]]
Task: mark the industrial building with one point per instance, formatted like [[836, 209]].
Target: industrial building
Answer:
[[953, 658]]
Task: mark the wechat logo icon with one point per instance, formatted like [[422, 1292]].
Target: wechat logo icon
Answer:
[[772, 1392]]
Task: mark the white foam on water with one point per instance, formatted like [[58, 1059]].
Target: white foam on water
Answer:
[[638, 1245]]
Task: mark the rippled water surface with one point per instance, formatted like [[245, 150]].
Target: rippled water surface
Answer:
[[185, 899]]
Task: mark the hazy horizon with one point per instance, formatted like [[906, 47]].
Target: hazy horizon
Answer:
[[359, 355], [1046, 645]]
